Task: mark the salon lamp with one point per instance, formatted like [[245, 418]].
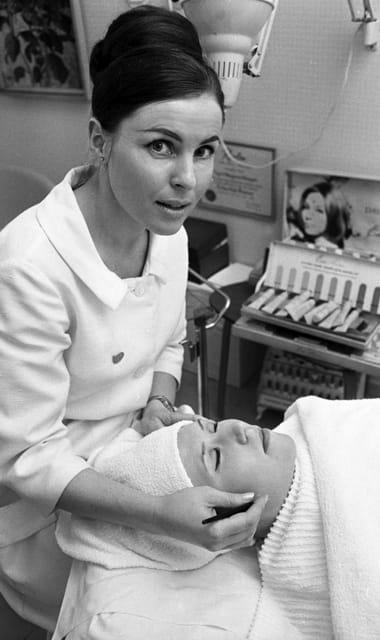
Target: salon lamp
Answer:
[[233, 33], [362, 11], [230, 31]]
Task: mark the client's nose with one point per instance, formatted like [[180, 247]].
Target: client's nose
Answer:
[[236, 431]]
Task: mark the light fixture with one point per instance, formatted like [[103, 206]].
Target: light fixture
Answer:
[[230, 32], [362, 11], [233, 33]]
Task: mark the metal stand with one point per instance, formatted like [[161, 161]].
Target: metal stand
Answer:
[[204, 318]]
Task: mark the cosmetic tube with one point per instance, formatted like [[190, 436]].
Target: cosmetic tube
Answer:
[[330, 321], [343, 313], [293, 304], [324, 310], [343, 328], [258, 302], [296, 313], [275, 303]]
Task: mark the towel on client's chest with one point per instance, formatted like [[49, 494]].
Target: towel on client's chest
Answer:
[[151, 465]]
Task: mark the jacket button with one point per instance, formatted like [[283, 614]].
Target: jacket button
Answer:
[[118, 357], [139, 290]]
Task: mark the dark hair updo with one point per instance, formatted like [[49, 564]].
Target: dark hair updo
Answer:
[[149, 54]]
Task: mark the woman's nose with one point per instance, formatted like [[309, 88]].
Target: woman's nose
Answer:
[[235, 432], [184, 174]]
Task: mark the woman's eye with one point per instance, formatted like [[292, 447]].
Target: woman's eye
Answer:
[[205, 152], [161, 147], [217, 458]]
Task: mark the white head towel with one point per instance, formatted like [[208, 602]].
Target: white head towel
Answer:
[[151, 465]]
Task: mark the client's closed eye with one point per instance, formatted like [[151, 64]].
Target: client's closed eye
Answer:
[[208, 425], [216, 453]]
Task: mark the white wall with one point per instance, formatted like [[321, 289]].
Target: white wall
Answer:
[[286, 109]]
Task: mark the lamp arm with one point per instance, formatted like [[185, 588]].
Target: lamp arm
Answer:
[[253, 67], [368, 13], [227, 301]]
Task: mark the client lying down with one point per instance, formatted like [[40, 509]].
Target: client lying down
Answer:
[[317, 574]]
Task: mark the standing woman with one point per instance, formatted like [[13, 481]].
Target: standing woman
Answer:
[[92, 310]]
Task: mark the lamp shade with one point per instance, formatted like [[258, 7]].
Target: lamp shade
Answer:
[[226, 29]]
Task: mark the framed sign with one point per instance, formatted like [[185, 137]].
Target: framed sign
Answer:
[[43, 47], [335, 210], [243, 181]]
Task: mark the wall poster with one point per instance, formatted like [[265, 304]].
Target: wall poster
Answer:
[[333, 210]]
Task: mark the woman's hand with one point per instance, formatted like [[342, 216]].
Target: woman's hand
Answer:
[[180, 516], [156, 416]]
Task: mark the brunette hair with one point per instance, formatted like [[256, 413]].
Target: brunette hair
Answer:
[[338, 213], [149, 54]]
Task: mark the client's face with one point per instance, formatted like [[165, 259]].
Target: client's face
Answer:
[[235, 456]]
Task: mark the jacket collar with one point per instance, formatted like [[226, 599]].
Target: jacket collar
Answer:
[[66, 229]]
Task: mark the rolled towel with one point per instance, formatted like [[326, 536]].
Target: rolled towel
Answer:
[[151, 465]]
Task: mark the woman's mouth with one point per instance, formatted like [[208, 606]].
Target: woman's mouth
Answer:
[[175, 207]]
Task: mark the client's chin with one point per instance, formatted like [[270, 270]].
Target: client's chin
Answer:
[[277, 496]]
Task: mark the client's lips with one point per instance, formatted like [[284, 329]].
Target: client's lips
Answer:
[[265, 433]]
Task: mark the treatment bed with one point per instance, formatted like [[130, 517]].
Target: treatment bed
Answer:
[[254, 594]]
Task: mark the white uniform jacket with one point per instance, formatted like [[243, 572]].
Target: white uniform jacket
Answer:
[[78, 345]]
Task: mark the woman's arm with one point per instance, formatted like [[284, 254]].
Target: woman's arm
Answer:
[[36, 457], [172, 313], [178, 515]]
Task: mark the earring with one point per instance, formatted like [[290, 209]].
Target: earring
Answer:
[[102, 154]]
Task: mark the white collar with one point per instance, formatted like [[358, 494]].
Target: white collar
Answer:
[[63, 223]]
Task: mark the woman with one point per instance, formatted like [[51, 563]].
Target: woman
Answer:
[[92, 291], [323, 216]]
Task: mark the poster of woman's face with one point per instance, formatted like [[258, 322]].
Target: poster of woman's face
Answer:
[[333, 211]]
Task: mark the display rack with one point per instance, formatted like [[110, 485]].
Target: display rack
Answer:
[[309, 277], [285, 377]]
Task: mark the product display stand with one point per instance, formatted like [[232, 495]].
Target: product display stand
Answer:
[[285, 377], [328, 355]]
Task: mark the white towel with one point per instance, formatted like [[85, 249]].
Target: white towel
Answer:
[[344, 442], [294, 601], [151, 465]]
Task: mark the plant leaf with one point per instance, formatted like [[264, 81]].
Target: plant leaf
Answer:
[[19, 73], [58, 68], [12, 46]]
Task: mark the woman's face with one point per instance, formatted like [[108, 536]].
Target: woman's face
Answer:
[[235, 456], [161, 161], [314, 215]]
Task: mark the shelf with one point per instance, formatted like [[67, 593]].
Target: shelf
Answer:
[[306, 347]]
